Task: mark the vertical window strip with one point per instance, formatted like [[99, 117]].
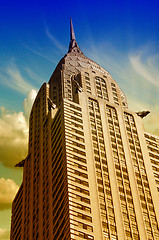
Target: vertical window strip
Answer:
[[153, 148], [46, 204], [88, 84], [27, 200], [59, 193], [127, 206], [141, 178], [73, 116], [103, 183], [36, 176], [115, 96], [101, 88]]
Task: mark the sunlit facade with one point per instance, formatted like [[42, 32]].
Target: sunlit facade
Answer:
[[91, 171]]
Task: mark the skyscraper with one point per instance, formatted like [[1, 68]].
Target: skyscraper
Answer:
[[91, 170]]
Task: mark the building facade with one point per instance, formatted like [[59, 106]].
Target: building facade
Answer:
[[91, 171]]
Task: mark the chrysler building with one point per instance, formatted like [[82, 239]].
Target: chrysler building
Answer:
[[92, 172]]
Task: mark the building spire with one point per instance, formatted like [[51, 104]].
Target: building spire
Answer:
[[72, 34], [73, 46]]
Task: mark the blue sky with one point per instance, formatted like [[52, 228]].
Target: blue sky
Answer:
[[122, 36]]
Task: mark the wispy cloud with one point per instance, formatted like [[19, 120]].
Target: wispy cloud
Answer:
[[12, 77], [39, 53], [33, 75], [128, 68], [57, 43], [18, 82], [45, 52], [146, 68]]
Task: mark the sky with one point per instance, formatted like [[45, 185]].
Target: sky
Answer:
[[121, 36]]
